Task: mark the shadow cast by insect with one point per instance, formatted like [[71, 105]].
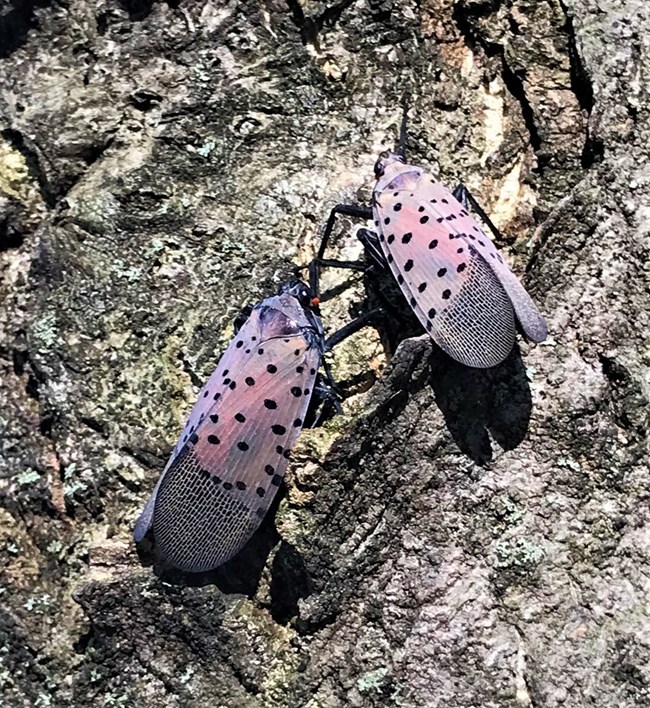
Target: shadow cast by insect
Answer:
[[241, 575], [477, 403], [290, 582]]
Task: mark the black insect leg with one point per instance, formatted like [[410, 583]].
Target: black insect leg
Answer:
[[375, 259], [465, 197], [241, 318], [329, 385], [324, 397], [378, 262], [461, 193], [334, 263], [370, 242], [314, 266], [347, 210], [349, 329], [326, 388]]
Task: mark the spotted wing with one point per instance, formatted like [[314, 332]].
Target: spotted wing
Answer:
[[240, 349], [220, 485], [431, 244], [530, 318]]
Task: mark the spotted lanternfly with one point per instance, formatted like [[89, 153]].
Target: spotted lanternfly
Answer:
[[232, 455], [458, 284]]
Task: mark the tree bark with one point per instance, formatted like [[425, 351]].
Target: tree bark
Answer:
[[459, 537]]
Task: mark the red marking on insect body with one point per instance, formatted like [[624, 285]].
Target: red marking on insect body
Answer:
[[458, 284], [234, 450]]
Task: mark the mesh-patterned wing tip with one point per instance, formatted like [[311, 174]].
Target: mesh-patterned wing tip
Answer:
[[478, 358], [198, 525]]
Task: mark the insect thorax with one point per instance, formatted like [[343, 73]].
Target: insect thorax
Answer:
[[398, 178]]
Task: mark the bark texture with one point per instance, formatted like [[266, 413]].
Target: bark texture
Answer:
[[460, 538]]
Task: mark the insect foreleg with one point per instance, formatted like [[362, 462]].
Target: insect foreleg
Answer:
[[347, 210], [375, 255], [315, 266], [241, 318], [350, 265]]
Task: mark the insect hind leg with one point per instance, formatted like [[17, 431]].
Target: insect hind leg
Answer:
[[327, 397], [352, 327], [370, 242], [326, 388], [374, 254]]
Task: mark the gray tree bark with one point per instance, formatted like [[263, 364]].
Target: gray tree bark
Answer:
[[459, 538]]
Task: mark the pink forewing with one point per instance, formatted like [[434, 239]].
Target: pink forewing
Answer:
[[455, 280], [222, 482], [232, 455]]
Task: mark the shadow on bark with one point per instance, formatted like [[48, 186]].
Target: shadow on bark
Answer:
[[480, 402], [16, 24]]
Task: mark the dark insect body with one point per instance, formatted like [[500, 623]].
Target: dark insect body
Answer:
[[457, 283], [233, 452]]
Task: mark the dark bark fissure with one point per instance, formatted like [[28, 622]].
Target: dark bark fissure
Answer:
[[515, 86], [93, 153], [331, 15], [594, 150], [463, 16], [310, 27], [580, 82], [140, 9]]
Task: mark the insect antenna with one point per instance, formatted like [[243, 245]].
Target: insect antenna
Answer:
[[401, 148]]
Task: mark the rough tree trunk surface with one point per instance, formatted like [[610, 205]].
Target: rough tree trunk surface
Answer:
[[460, 537]]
